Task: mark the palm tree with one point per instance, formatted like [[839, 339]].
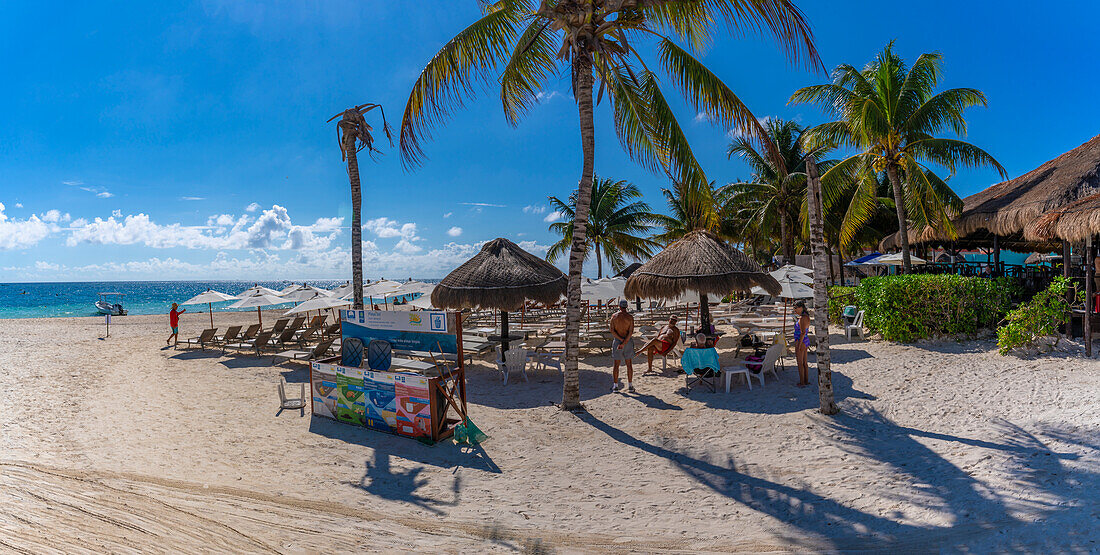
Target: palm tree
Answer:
[[777, 191], [597, 40], [890, 113], [815, 217], [354, 135], [616, 217], [693, 205]]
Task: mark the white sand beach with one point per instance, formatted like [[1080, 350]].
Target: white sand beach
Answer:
[[118, 445]]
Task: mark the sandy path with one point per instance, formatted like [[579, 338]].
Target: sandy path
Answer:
[[943, 444]]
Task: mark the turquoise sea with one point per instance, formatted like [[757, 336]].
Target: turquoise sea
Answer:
[[58, 299]]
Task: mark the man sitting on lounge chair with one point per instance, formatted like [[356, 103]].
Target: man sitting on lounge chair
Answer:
[[662, 343]]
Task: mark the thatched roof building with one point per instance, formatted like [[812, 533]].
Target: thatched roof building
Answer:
[[1075, 222], [502, 276], [1006, 208], [701, 262]]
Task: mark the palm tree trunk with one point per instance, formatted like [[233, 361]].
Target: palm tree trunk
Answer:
[[903, 227], [821, 300], [582, 90], [356, 225], [599, 263], [787, 248]]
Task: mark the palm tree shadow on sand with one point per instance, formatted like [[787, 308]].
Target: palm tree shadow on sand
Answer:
[[980, 515]]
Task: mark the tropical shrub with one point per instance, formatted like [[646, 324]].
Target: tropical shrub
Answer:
[[840, 297], [911, 307], [1039, 318]]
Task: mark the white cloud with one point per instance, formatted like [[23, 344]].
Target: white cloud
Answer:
[[404, 246], [19, 205], [552, 217], [701, 117], [100, 192], [547, 96], [535, 209], [261, 264], [448, 214], [483, 204], [192, 198], [21, 234], [55, 216], [116, 213], [386, 228], [252, 207], [272, 229], [454, 231], [104, 194]]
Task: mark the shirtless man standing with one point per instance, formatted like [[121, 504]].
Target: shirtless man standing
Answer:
[[622, 346]]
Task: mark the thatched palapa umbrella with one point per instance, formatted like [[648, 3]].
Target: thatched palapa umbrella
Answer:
[[700, 261], [500, 277]]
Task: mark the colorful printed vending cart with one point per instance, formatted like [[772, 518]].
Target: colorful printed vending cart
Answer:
[[419, 391]]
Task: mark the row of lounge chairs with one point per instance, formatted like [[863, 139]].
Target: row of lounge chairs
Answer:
[[286, 340]]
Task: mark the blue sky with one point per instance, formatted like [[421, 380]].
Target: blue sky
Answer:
[[188, 140]]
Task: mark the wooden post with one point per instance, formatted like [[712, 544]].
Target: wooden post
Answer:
[[1066, 252], [996, 256], [503, 333], [821, 299], [1090, 289]]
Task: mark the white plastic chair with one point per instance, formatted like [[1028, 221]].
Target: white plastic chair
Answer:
[[291, 404], [516, 358], [768, 365], [855, 328]]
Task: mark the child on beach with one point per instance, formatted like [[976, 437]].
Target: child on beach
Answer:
[[174, 322], [802, 343]]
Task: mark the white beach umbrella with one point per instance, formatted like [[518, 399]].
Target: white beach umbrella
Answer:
[[290, 288], [410, 287], [257, 290], [424, 301], [788, 290], [318, 302], [791, 272], [258, 301], [602, 289], [381, 289], [210, 297], [894, 259], [304, 293]]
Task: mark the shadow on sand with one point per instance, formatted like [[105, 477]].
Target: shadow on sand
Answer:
[[981, 519]]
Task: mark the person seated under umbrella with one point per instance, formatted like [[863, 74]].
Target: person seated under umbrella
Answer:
[[662, 343], [699, 358]]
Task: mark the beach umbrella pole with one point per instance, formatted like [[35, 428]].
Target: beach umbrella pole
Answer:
[[210, 309], [260, 316]]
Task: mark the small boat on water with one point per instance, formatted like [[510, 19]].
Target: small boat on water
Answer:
[[110, 303]]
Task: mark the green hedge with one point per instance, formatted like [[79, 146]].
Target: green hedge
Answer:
[[911, 307], [840, 297]]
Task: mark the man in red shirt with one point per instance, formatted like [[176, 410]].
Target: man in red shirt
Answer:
[[174, 322]]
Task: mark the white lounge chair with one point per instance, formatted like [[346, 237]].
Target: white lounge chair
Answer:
[[855, 328]]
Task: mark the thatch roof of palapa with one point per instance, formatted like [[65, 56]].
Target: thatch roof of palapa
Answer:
[[1074, 223], [1005, 208], [502, 276], [701, 262]]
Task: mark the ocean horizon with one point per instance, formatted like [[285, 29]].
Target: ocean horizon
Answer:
[[59, 299]]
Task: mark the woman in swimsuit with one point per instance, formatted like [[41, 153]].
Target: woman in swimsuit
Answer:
[[802, 343]]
